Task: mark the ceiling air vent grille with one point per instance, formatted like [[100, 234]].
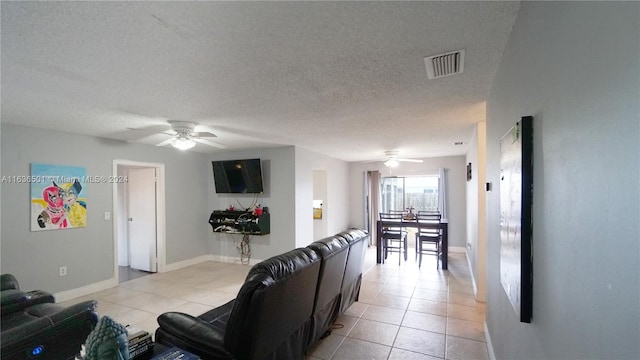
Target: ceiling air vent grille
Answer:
[[445, 64]]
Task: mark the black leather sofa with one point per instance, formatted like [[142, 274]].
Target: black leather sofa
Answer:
[[285, 305], [270, 317], [33, 327], [358, 242], [333, 251]]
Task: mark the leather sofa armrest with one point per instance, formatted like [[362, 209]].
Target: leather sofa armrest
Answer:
[[57, 314], [194, 333], [59, 330], [15, 300]]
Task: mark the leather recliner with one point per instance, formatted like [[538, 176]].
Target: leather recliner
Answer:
[[333, 252], [33, 327], [13, 299], [350, 290], [269, 319]]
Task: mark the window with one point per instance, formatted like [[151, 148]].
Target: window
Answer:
[[416, 192]]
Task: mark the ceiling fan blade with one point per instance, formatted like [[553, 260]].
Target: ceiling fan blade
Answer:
[[210, 143], [165, 142], [410, 160], [135, 134], [204, 134], [151, 129]]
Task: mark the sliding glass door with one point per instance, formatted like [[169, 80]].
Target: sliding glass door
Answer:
[[417, 193]]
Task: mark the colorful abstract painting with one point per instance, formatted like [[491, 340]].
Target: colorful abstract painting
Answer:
[[58, 197]]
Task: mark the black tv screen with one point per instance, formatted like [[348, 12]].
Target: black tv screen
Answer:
[[238, 176]]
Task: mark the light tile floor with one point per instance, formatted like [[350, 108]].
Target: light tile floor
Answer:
[[404, 312]]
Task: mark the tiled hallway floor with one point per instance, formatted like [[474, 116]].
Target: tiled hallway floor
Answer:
[[403, 312], [406, 312]]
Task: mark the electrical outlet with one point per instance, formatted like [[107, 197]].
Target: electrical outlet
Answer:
[[63, 271]]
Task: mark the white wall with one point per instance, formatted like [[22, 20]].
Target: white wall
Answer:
[[337, 202], [476, 210], [88, 253], [472, 205], [573, 66], [430, 166]]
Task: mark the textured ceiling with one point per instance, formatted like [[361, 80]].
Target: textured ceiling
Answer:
[[346, 79]]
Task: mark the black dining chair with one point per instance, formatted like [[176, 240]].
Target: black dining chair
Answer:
[[394, 237], [427, 215], [428, 236]]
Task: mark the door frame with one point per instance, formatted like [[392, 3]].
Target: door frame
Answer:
[[160, 213]]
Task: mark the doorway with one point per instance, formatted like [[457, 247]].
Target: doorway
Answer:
[[320, 223], [139, 227]]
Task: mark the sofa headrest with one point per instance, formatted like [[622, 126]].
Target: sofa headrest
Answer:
[[8, 282], [352, 235], [330, 245], [279, 266]]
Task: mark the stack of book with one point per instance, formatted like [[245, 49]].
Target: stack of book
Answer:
[[139, 342], [175, 353]]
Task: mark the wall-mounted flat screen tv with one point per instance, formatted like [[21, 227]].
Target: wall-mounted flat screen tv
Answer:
[[238, 176]]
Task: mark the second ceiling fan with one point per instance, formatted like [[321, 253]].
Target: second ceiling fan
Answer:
[[393, 160]]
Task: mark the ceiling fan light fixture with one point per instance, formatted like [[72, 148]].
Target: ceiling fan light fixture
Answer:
[[391, 163], [183, 142]]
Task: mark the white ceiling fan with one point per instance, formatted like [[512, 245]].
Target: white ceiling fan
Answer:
[[184, 136], [393, 160]]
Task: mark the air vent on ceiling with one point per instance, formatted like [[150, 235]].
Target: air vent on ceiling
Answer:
[[445, 64]]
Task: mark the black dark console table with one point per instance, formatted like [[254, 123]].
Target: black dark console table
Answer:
[[240, 222]]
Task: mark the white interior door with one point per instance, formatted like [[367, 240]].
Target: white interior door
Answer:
[[142, 219]]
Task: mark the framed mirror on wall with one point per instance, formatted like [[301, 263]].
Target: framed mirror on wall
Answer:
[[516, 189]]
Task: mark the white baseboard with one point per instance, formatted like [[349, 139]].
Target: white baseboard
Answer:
[[473, 278], [188, 262], [457, 249], [109, 283], [480, 296], [205, 258], [487, 337], [233, 259], [85, 290]]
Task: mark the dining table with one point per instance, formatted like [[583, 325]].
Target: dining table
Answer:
[[443, 226]]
